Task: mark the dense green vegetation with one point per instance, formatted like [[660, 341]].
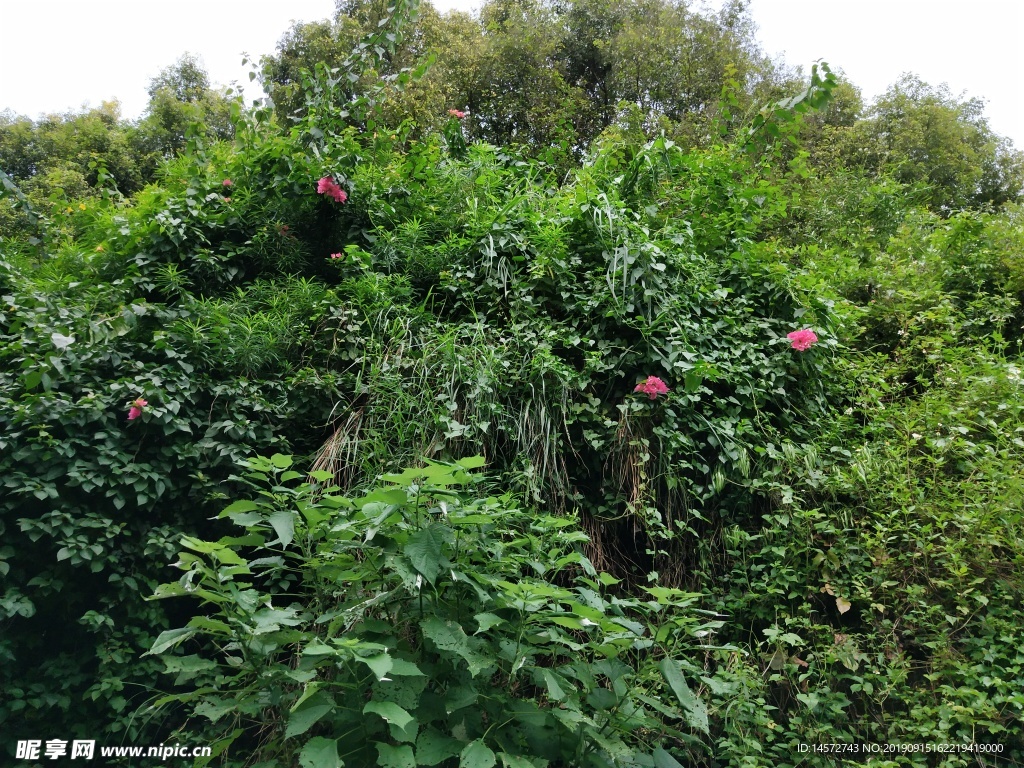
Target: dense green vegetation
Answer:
[[505, 391]]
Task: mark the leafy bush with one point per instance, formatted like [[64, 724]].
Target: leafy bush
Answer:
[[422, 624]]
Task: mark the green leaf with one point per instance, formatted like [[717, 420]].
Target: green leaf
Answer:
[[486, 621], [320, 753], [216, 708], [242, 505], [395, 757], [280, 461], [401, 667], [390, 711], [381, 664], [207, 624], [696, 710], [31, 379], [476, 754], [60, 341], [514, 761], [301, 721], [283, 522], [555, 692], [449, 636], [168, 639], [433, 747], [425, 550], [663, 759]]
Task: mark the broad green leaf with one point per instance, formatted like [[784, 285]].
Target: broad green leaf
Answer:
[[449, 636], [283, 522], [396, 496], [472, 462], [60, 341], [460, 696], [486, 621], [311, 690], [301, 721], [31, 379], [570, 622], [168, 639], [555, 692], [280, 461], [476, 754], [390, 711], [320, 753], [433, 747], [401, 667], [216, 708], [696, 710], [187, 667], [514, 761], [207, 624], [663, 759], [381, 664], [395, 757], [425, 550]]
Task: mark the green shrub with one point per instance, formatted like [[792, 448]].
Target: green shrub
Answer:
[[424, 624]]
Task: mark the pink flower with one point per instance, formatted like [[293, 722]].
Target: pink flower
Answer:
[[328, 186], [651, 386], [227, 182], [335, 255], [802, 340], [136, 409], [456, 114]]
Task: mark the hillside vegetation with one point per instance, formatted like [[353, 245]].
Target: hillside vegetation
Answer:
[[503, 390]]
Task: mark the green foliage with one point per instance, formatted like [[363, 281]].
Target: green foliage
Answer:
[[925, 135], [849, 512], [548, 76], [422, 624]]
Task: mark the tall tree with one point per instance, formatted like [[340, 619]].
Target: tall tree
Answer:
[[925, 135], [179, 97]]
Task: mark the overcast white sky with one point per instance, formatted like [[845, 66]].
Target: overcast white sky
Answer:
[[60, 54]]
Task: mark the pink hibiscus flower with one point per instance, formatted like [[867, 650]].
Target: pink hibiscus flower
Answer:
[[328, 186], [802, 340], [227, 182], [456, 113], [335, 255], [136, 409], [652, 386]]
